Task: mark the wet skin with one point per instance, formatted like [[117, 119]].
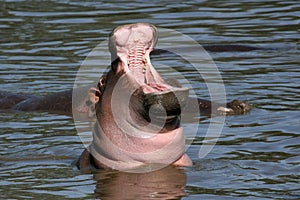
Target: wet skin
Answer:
[[146, 129], [138, 142], [61, 102]]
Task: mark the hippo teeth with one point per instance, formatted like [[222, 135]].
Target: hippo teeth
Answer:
[[136, 57], [132, 45]]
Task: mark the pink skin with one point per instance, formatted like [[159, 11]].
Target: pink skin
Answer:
[[133, 45], [122, 139]]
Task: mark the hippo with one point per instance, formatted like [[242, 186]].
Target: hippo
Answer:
[[137, 111]]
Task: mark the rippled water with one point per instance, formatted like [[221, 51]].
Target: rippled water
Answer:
[[43, 44]]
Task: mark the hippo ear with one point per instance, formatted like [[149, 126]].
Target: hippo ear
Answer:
[[93, 99], [94, 95]]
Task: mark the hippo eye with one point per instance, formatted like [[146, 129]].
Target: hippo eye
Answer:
[[102, 81]]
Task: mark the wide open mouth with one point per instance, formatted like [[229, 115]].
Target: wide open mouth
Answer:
[[131, 45]]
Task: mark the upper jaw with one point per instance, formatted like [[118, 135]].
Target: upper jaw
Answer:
[[130, 45]]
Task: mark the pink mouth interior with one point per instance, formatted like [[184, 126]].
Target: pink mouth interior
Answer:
[[134, 43]]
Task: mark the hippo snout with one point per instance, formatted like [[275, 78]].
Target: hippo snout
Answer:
[[239, 106], [165, 103]]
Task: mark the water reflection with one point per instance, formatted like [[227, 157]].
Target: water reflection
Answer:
[[166, 183]]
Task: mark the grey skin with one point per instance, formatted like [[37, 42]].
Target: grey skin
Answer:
[[61, 102]]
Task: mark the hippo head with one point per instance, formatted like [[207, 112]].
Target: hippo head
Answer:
[[239, 107], [138, 113]]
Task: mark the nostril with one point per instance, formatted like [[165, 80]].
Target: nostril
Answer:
[[243, 106]]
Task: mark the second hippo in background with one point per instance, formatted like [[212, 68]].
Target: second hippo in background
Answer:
[[61, 102]]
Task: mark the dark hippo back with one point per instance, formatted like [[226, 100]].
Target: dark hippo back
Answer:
[[8, 100]]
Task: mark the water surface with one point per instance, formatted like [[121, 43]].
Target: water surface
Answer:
[[43, 44]]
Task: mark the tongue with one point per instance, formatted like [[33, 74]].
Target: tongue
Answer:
[[149, 88]]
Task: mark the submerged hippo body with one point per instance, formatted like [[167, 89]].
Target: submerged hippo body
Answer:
[[59, 102]]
